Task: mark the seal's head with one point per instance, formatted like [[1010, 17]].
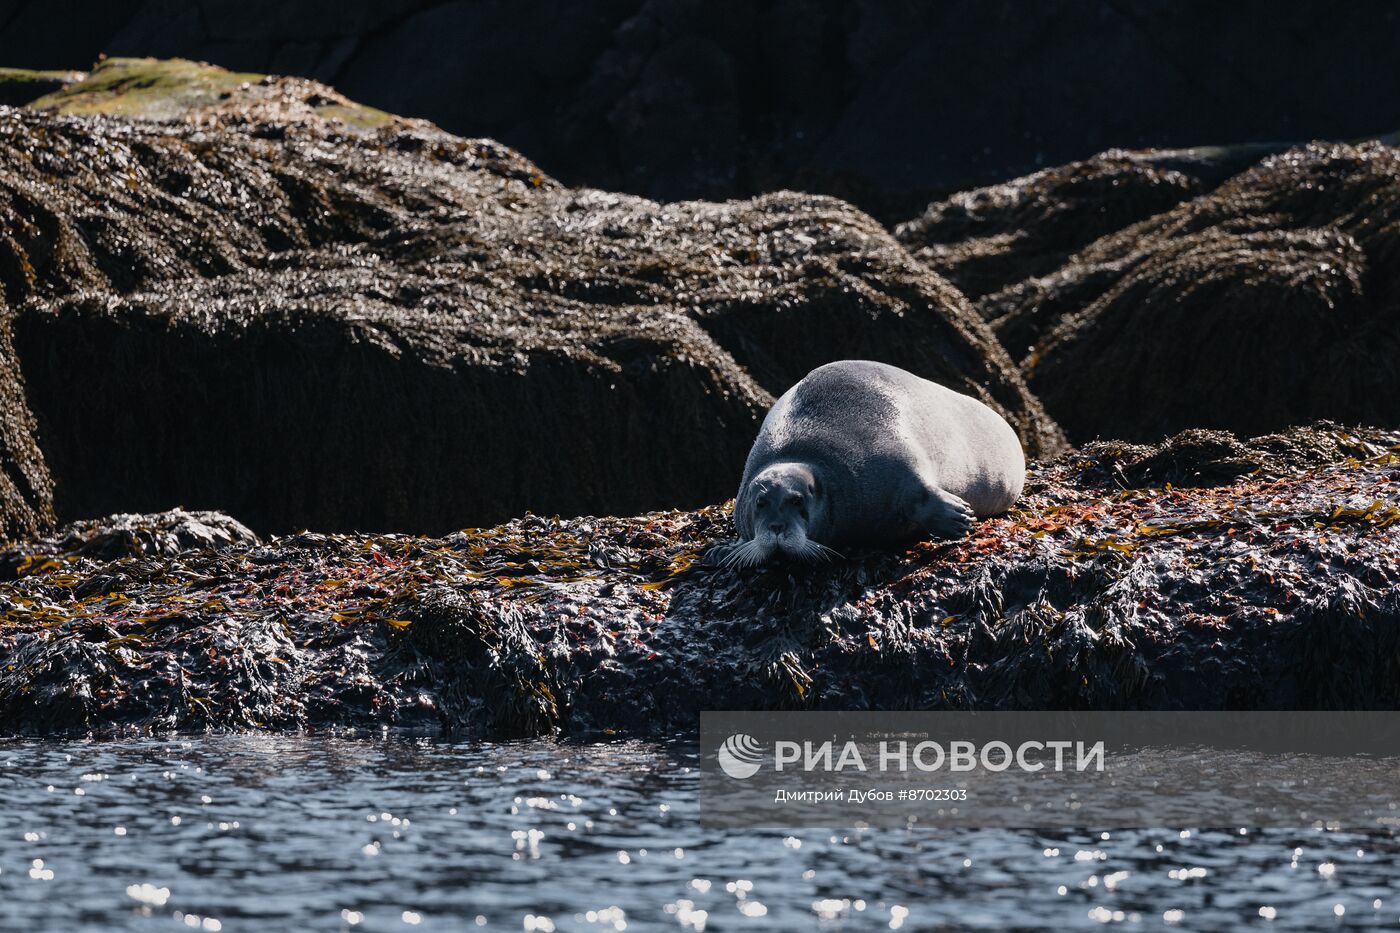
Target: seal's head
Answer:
[[782, 510]]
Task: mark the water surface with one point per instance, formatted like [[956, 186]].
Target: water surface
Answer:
[[272, 833]]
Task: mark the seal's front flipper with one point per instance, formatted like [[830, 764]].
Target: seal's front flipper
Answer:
[[943, 514]]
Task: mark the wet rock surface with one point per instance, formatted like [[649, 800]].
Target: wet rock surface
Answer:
[[1270, 301], [1145, 293], [988, 238], [315, 315], [163, 534], [1266, 587], [26, 488]]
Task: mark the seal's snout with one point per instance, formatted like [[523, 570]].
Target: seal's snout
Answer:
[[777, 528]]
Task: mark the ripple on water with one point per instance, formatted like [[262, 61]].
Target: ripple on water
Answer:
[[259, 832]]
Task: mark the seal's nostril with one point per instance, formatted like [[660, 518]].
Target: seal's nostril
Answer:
[[777, 528]]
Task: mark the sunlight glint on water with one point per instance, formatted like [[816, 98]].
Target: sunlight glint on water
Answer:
[[261, 832]]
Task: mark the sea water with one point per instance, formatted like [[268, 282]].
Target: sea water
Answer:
[[281, 833]]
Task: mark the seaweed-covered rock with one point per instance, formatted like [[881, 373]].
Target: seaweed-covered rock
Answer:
[[1268, 302], [26, 489], [249, 294], [164, 534], [1199, 457], [1275, 587], [988, 238]]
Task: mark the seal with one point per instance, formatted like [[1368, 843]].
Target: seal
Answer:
[[865, 454]]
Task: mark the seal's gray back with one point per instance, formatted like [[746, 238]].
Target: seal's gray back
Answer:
[[870, 426]]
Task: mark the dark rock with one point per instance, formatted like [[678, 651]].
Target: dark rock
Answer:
[[1094, 593], [1268, 302], [891, 105], [986, 239], [26, 489], [314, 315], [1198, 457], [164, 534]]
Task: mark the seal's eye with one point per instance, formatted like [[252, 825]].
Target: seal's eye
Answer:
[[762, 502]]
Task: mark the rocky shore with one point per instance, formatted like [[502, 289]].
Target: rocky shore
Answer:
[[281, 310], [1201, 573]]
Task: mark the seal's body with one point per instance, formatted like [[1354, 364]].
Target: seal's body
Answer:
[[865, 454]]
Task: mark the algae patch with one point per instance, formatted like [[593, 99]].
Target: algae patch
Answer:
[[168, 89], [19, 86]]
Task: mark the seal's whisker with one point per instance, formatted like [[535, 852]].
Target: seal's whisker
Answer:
[[744, 554]]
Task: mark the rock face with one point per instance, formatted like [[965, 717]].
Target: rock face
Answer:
[[889, 104], [1270, 301], [1265, 577], [1144, 293], [26, 489], [316, 315], [164, 534], [986, 239]]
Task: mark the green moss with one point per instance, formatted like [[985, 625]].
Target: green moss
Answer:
[[19, 86], [156, 89], [30, 75], [145, 87]]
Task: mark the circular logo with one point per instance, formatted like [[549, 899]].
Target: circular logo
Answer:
[[740, 756]]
